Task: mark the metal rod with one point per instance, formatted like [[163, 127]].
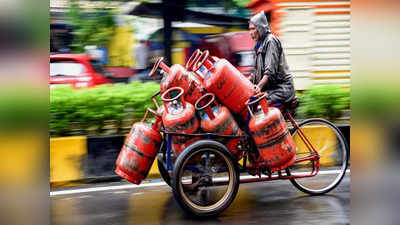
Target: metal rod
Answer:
[[260, 179], [169, 146], [206, 135], [153, 98], [307, 143], [312, 157], [301, 134]]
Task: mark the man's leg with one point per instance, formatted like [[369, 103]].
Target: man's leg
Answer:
[[275, 96], [281, 95]]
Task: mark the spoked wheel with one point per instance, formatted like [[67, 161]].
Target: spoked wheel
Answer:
[[332, 149], [205, 178]]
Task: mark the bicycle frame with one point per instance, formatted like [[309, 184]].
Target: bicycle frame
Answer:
[[168, 141], [314, 156]]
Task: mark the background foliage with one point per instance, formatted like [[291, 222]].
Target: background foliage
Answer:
[[112, 109], [95, 27], [97, 111], [326, 101]]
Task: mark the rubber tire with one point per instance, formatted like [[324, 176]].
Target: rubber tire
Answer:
[[192, 149], [163, 171], [341, 136]]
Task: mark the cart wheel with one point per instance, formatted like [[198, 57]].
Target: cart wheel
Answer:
[[208, 185], [163, 171], [333, 150]]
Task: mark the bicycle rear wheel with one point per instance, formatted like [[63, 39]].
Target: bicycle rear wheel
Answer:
[[331, 146]]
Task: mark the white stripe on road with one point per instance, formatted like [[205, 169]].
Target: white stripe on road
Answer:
[[322, 172], [273, 176], [131, 186], [108, 188]]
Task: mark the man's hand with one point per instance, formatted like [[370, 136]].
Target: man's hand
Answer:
[[257, 89], [250, 76]]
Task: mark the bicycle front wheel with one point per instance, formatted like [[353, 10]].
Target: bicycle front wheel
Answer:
[[332, 148], [205, 179], [163, 170]]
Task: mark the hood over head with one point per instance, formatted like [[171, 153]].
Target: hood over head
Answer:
[[261, 23]]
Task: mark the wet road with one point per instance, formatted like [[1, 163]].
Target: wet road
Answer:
[[273, 202]]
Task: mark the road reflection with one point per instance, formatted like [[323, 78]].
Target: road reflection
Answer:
[[257, 203]]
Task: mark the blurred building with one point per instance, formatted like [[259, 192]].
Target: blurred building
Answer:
[[185, 39], [118, 53], [315, 35], [60, 32]]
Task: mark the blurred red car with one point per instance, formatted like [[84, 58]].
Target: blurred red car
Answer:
[[76, 70], [236, 47]]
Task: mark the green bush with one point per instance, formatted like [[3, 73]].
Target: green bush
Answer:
[[89, 110], [96, 111], [326, 101], [376, 102], [22, 108]]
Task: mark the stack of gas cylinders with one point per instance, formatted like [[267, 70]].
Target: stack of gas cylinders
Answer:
[[208, 95]]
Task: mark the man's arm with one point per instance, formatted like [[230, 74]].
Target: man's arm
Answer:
[[262, 83], [271, 62]]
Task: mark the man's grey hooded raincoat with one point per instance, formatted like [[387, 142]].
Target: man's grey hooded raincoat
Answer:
[[270, 61]]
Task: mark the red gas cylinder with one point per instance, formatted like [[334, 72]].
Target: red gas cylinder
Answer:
[[179, 117], [177, 76], [271, 135], [193, 60], [139, 150], [217, 119], [226, 82]]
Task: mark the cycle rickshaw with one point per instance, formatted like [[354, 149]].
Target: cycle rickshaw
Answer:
[[205, 176]]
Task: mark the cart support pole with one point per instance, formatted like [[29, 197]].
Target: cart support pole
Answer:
[[169, 144]]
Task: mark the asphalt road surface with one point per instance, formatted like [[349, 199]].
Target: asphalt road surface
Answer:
[[271, 202]]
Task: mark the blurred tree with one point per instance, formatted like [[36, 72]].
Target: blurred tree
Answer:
[[226, 4], [94, 28], [241, 3], [231, 7]]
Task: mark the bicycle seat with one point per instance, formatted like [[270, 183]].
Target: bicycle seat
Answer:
[[289, 106], [292, 105]]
